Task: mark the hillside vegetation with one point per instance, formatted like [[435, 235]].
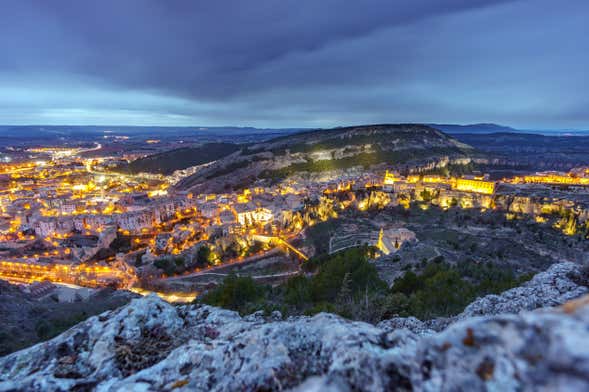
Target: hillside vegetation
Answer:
[[346, 283], [169, 161]]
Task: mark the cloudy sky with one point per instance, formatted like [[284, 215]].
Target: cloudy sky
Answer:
[[295, 63]]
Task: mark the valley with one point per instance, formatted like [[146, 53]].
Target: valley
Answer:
[[258, 220]]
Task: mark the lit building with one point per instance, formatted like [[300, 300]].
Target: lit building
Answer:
[[475, 184], [389, 181], [389, 241], [572, 178], [252, 216]]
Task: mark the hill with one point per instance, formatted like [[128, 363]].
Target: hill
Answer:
[[169, 161], [403, 145]]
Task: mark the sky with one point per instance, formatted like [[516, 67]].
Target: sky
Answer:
[[295, 63]]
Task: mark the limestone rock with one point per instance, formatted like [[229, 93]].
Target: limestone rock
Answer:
[[410, 323], [560, 283], [150, 345]]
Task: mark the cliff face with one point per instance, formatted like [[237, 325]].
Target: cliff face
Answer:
[[150, 345]]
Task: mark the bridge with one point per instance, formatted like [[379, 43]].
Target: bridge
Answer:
[[277, 241]]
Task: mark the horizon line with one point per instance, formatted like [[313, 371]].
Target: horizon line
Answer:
[[305, 128]]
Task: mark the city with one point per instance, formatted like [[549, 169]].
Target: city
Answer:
[[67, 218], [304, 196]]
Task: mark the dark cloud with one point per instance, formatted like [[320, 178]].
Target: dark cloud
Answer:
[[294, 62]]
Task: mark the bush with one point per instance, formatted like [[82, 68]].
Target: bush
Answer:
[[345, 283], [326, 285], [43, 329], [166, 265], [297, 291], [393, 305], [442, 290], [235, 293], [170, 266]]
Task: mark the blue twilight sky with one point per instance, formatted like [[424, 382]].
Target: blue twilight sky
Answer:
[[295, 63]]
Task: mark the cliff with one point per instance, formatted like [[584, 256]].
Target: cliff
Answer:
[[150, 345]]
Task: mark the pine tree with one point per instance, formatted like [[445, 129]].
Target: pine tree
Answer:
[[345, 292]]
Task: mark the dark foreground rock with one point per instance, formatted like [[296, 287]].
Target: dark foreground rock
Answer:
[[150, 345]]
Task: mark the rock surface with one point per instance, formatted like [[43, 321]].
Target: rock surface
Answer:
[[559, 284], [150, 345]]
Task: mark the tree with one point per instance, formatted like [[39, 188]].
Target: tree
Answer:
[[407, 284], [203, 256], [297, 291], [426, 195], [167, 265], [345, 292], [43, 329]]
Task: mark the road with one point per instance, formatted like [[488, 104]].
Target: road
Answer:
[[222, 266]]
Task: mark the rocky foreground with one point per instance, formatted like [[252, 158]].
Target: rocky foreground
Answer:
[[498, 343]]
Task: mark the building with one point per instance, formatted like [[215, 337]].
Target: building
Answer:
[[209, 209], [246, 215], [475, 184], [389, 181], [389, 241]]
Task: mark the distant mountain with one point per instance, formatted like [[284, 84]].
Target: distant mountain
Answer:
[[535, 151], [56, 131], [510, 142], [557, 132], [473, 128], [325, 150], [181, 158], [484, 128]]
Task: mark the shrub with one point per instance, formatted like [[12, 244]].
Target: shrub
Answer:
[[442, 290], [236, 293]]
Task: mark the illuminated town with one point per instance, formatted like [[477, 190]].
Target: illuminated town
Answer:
[[311, 196], [62, 213]]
